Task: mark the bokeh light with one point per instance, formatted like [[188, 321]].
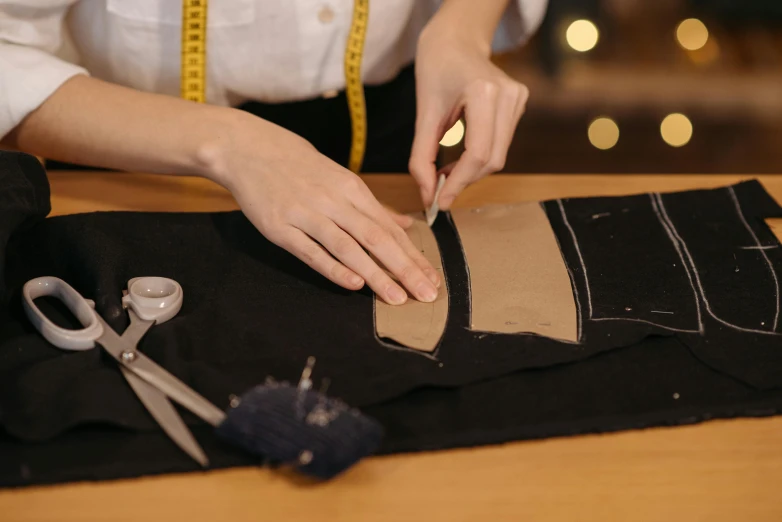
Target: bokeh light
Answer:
[[454, 135], [692, 34], [706, 55], [603, 133], [676, 130], [582, 35]]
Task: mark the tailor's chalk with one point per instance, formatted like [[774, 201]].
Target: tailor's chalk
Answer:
[[431, 213]]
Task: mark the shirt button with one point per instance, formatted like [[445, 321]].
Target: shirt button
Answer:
[[326, 14]]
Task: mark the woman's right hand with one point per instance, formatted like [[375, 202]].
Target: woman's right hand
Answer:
[[296, 197], [319, 211]]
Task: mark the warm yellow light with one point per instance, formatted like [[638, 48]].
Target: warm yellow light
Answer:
[[692, 34], [676, 130], [707, 54], [454, 135], [582, 35], [603, 133]]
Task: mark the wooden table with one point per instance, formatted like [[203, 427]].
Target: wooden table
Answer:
[[717, 471]]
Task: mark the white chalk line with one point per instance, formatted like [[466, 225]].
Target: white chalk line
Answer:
[[762, 252], [697, 276], [578, 251], [580, 329], [645, 321], [452, 222], [668, 231], [589, 293]]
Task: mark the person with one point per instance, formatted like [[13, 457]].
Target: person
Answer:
[[96, 82]]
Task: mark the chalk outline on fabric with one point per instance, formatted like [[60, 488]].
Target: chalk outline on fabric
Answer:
[[635, 320], [697, 276], [573, 284], [760, 247], [589, 293], [452, 223], [657, 210], [578, 251]]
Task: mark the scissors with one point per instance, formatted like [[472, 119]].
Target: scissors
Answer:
[[149, 301]]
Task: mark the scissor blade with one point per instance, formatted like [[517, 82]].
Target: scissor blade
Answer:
[[158, 377], [176, 390], [166, 416]]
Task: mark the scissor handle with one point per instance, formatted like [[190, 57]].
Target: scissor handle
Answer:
[[82, 339], [154, 298]]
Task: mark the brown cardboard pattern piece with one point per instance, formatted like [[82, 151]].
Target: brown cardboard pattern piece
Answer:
[[415, 324], [518, 279]]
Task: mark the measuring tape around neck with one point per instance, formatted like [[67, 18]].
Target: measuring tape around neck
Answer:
[[192, 78], [193, 72], [353, 87]]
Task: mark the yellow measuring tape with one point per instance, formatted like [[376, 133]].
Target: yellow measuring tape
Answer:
[[353, 87], [193, 74]]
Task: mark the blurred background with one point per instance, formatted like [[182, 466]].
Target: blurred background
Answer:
[[649, 86]]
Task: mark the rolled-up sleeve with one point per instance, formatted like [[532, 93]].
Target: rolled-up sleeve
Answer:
[[519, 23], [30, 71]]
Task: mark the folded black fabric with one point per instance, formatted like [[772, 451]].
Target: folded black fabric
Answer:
[[653, 351], [656, 383]]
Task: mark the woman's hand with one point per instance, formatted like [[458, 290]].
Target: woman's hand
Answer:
[[455, 78], [319, 211], [295, 196]]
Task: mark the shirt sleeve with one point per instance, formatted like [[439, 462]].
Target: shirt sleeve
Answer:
[[519, 23], [30, 71]]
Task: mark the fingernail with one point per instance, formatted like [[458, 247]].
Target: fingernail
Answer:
[[445, 202], [355, 280], [396, 295], [431, 273], [426, 293]]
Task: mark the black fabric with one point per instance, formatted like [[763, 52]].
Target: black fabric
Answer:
[[722, 284], [622, 241], [325, 122], [252, 310], [740, 297], [24, 199], [656, 383]]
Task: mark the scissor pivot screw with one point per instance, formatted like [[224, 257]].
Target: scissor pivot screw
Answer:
[[128, 356]]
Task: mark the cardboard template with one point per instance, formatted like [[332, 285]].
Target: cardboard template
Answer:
[[415, 324], [518, 279]]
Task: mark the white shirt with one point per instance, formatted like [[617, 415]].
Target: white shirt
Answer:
[[265, 50]]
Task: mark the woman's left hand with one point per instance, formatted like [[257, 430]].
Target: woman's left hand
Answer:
[[455, 77]]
